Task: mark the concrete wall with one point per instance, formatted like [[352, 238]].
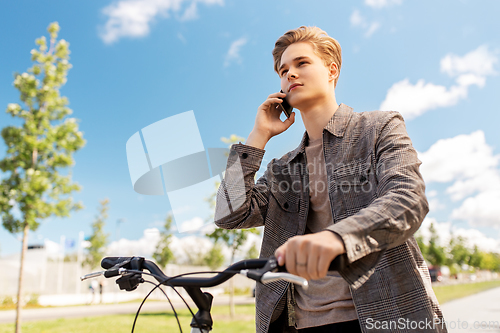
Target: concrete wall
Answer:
[[58, 283]]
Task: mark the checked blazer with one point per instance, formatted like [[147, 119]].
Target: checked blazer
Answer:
[[377, 197]]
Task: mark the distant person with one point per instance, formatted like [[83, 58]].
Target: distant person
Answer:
[[351, 188], [101, 285], [93, 289]]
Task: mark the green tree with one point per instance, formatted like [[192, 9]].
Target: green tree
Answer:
[[39, 148], [459, 253], [476, 257], [195, 256], [491, 262], [215, 257], [98, 239], [421, 244], [435, 253], [163, 254], [253, 252], [234, 238]]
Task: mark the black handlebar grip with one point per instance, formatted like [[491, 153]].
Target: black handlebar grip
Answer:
[[108, 262]]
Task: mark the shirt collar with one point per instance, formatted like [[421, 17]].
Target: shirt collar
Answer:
[[337, 126]]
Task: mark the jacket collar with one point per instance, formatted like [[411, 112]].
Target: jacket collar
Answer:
[[336, 126]]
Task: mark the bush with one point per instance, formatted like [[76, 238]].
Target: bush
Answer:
[[8, 301], [239, 291], [33, 300]]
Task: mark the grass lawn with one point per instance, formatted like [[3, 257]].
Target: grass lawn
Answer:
[[447, 293], [147, 322], [165, 321]]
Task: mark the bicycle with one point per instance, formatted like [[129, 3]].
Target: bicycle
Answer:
[[131, 270]]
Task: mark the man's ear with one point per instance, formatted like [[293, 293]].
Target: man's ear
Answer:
[[334, 71]]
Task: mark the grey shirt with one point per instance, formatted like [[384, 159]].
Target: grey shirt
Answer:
[[327, 300]]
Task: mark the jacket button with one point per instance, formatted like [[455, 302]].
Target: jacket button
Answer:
[[358, 248], [285, 205], [244, 155]]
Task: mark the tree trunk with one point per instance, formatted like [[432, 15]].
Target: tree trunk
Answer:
[[231, 298], [20, 281], [231, 292]]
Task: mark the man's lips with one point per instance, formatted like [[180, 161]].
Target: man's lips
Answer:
[[293, 86]]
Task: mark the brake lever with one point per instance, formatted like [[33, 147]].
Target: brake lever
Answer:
[[91, 275], [269, 273], [108, 274], [256, 274], [271, 277]]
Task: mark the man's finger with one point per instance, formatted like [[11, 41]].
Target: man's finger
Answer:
[[280, 254], [290, 258]]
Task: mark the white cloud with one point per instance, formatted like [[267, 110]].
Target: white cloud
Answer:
[[412, 100], [357, 20], [483, 209], [192, 225], [382, 3], [476, 237], [233, 54], [467, 162], [191, 13], [432, 194], [480, 62], [487, 181], [466, 80], [371, 30], [435, 204], [472, 236], [146, 245], [442, 230], [458, 158], [132, 18], [192, 244]]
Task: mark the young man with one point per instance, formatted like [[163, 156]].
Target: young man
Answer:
[[352, 188]]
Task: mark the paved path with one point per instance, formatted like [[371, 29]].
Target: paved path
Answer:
[[106, 309], [466, 315]]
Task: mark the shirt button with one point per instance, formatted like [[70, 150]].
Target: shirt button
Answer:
[[362, 179], [358, 248], [244, 155]]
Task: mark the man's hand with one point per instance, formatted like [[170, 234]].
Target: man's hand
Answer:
[[309, 256], [268, 122]]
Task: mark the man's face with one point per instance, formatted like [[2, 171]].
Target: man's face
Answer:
[[304, 77]]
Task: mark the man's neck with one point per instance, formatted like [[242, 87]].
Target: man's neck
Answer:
[[317, 117]]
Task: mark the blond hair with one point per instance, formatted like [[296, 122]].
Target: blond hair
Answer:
[[325, 47]]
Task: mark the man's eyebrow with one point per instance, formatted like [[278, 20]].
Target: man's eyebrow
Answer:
[[294, 60]]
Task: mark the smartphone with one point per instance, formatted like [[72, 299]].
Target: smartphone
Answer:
[[287, 108]]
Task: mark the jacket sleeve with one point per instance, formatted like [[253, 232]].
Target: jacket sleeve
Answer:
[[241, 202], [396, 213]]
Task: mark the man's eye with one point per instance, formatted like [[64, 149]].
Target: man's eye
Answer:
[[302, 62], [283, 72]]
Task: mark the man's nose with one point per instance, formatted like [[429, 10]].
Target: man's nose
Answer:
[[292, 75]]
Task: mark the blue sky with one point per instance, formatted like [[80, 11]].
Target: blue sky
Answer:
[[137, 62]]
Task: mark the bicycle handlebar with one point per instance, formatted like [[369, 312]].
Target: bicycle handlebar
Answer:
[[261, 270], [258, 265]]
